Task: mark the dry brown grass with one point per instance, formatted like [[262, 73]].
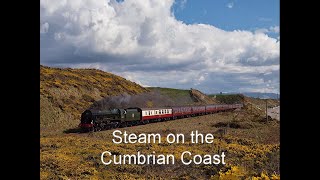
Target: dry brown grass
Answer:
[[77, 156]]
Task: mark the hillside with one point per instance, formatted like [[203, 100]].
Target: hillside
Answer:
[[183, 96], [179, 96], [202, 98], [228, 98], [66, 92], [262, 95]]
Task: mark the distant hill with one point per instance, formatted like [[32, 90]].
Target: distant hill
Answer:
[[65, 93], [262, 95], [253, 94]]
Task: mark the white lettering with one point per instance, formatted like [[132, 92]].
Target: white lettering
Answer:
[[102, 158], [182, 158]]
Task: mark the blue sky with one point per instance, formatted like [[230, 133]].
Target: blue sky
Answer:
[[230, 14], [211, 45]]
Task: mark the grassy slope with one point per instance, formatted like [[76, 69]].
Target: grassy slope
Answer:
[[65, 93], [228, 98], [180, 96]]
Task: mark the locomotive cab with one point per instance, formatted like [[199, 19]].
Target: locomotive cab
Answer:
[[86, 121], [86, 117]]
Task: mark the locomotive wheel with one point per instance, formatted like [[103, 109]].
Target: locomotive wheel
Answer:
[[124, 124], [116, 125], [96, 129]]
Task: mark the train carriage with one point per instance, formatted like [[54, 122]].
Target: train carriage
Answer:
[[211, 108], [156, 114], [198, 110], [181, 111]]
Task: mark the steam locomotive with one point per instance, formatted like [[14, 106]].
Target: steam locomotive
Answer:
[[95, 120]]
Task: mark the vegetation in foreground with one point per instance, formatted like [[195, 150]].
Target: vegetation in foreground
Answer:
[[251, 145]]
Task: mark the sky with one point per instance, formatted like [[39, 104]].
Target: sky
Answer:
[[211, 45]]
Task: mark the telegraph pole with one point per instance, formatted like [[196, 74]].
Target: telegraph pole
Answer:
[[267, 110]]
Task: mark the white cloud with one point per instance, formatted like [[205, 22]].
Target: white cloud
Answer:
[[183, 4], [274, 29], [183, 81], [230, 5], [143, 40], [44, 28], [261, 30]]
